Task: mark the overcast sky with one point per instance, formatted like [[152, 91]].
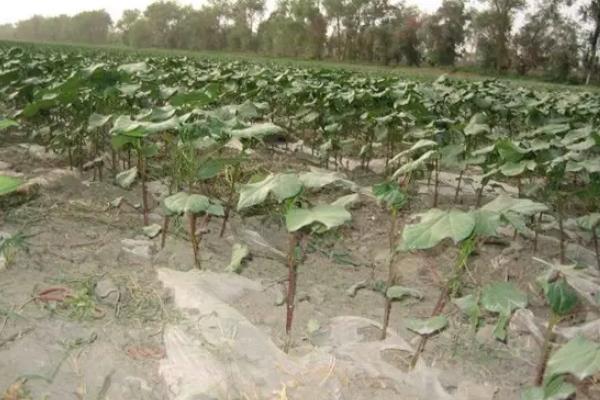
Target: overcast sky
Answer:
[[15, 10]]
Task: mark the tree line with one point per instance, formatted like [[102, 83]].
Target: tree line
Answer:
[[548, 42]]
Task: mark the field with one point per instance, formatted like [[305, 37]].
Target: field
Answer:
[[179, 227]]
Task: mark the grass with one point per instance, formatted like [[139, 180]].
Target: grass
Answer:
[[422, 73]]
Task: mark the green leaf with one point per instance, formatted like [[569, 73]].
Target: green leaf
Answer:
[[435, 226], [7, 123], [468, 305], [555, 389], [589, 222], [510, 151], [486, 223], [477, 126], [400, 292], [9, 184], [97, 120], [504, 204], [427, 326], [257, 131], [317, 178], [134, 68], [347, 201], [517, 168], [185, 203], [152, 231], [390, 194], [561, 297], [579, 357], [327, 215], [414, 165], [282, 186], [126, 178], [238, 253], [421, 144], [503, 298]]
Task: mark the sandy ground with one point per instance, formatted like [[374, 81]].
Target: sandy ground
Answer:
[[83, 314]]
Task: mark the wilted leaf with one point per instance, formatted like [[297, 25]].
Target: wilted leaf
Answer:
[[400, 292], [238, 253], [152, 231], [427, 326], [126, 178], [327, 215], [257, 131]]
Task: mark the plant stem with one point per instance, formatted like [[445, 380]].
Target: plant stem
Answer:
[[229, 204], [537, 232], [563, 258], [456, 194], [437, 183], [596, 246], [291, 290], [388, 302], [142, 168], [439, 307], [192, 218], [164, 231], [547, 347]]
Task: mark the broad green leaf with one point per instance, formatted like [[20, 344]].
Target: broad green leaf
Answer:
[[503, 298], [555, 389], [486, 223], [504, 204], [326, 215], [238, 253], [517, 168], [427, 326], [579, 357], [126, 178], [282, 186], [591, 165], [510, 151], [97, 120], [589, 222], [7, 123], [390, 194], [400, 292], [9, 184], [477, 126], [185, 203], [435, 226], [561, 297], [257, 131]]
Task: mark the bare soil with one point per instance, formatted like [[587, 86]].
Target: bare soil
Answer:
[[62, 337]]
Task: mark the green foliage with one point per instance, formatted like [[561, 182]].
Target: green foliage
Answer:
[[9, 184], [327, 215], [435, 226], [428, 326]]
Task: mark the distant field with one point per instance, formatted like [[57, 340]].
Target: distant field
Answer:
[[422, 73]]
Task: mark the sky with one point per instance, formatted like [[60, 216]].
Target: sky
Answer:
[[23, 9]]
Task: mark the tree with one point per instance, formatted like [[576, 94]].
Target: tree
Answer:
[[445, 32], [125, 24], [591, 14], [493, 30], [547, 41]]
